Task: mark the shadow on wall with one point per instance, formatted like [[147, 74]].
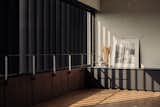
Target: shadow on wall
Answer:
[[136, 79]]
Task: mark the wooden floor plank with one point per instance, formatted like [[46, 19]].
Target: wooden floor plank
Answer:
[[105, 98]]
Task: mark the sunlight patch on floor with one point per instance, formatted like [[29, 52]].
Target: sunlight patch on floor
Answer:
[[123, 96], [94, 99], [104, 97]]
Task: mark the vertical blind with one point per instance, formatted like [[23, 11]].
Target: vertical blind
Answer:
[[51, 27]]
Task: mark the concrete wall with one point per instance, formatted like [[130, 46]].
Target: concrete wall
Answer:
[[92, 3], [134, 18]]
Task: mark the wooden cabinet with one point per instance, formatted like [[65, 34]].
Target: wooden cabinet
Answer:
[[16, 92], [41, 88], [2, 93], [60, 83], [74, 80], [25, 91]]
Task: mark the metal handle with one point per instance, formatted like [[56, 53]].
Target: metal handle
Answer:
[[54, 63], [69, 57], [6, 68], [82, 60], [34, 68]]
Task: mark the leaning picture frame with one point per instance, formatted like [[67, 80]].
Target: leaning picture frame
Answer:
[[125, 53]]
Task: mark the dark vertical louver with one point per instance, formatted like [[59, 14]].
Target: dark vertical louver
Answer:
[[63, 33], [84, 35], [58, 32], [11, 46], [42, 28], [68, 24], [46, 45], [52, 29], [39, 34], [52, 26], [23, 34], [31, 32]]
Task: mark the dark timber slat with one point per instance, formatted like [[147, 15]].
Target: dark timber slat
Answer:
[[39, 33]]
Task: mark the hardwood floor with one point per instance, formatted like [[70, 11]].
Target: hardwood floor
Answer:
[[105, 98]]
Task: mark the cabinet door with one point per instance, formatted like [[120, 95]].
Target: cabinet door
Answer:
[[59, 83], [16, 92], [41, 87], [1, 94], [82, 79], [74, 80]]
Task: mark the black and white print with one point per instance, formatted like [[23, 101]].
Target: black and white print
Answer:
[[125, 53]]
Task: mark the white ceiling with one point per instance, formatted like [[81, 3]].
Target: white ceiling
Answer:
[[92, 3]]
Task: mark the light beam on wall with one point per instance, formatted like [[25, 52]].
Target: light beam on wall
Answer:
[[99, 42], [104, 36]]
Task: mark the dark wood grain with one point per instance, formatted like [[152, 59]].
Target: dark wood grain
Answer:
[[15, 92], [41, 88], [1, 93], [60, 83], [25, 91]]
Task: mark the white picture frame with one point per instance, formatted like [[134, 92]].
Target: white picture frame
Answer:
[[125, 53]]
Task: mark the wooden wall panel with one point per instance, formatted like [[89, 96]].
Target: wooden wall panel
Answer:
[[25, 91], [64, 82], [56, 85], [15, 92], [74, 79], [60, 83], [1, 93], [28, 91], [82, 79], [41, 88]]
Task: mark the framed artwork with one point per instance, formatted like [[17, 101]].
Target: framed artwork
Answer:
[[125, 53]]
